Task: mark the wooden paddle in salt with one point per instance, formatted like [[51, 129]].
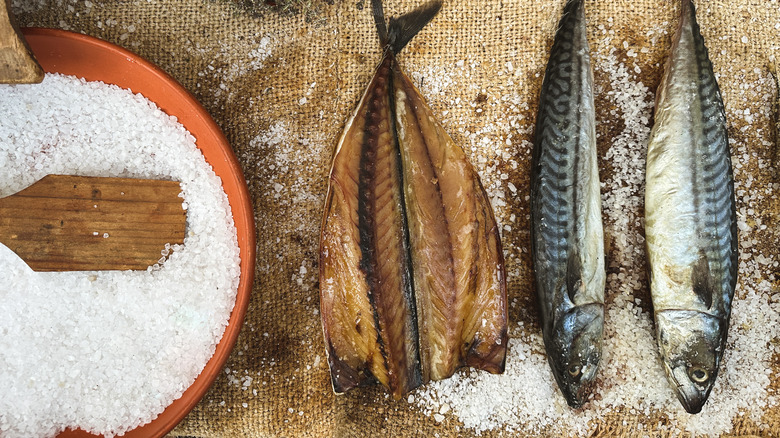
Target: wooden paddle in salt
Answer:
[[77, 223], [72, 223], [17, 63]]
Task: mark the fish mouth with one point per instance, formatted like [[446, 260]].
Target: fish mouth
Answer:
[[576, 393], [691, 397], [575, 398], [581, 392]]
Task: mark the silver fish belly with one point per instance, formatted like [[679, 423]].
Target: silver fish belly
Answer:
[[566, 231], [690, 218]]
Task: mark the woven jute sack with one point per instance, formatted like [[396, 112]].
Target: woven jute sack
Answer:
[[282, 85]]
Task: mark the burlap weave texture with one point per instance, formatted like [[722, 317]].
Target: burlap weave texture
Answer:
[[281, 86]]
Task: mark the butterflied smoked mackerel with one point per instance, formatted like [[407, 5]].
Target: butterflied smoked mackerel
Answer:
[[412, 283]]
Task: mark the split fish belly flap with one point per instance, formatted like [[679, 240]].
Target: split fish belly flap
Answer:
[[368, 314], [457, 257]]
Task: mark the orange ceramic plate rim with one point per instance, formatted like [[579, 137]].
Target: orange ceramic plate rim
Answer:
[[97, 60]]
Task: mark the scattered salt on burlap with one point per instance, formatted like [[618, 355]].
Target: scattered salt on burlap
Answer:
[[282, 88]]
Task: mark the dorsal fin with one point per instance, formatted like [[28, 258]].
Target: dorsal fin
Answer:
[[402, 29]]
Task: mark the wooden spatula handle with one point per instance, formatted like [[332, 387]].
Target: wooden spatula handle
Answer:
[[17, 62]]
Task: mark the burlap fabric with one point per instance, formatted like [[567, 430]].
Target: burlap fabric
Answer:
[[281, 86]]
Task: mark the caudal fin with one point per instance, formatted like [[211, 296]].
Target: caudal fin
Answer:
[[402, 29]]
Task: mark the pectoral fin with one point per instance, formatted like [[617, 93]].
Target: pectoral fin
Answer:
[[574, 281], [701, 279]]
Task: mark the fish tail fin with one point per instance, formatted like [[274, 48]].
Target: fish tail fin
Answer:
[[687, 20], [379, 19], [402, 29]]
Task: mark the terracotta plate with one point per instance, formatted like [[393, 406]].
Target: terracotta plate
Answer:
[[97, 60]]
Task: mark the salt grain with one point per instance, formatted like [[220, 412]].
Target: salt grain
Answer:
[[107, 353]]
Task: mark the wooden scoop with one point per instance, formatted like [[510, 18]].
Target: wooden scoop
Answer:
[[17, 63], [77, 223]]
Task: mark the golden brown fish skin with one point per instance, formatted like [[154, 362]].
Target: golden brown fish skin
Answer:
[[367, 304], [395, 164], [457, 258]]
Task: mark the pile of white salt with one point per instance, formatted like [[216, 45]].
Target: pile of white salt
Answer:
[[107, 351]]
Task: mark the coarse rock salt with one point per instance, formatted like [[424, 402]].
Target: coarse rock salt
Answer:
[[107, 351]]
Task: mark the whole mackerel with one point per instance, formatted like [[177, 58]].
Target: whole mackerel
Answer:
[[690, 218], [566, 233]]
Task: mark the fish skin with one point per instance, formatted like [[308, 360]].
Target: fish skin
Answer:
[[690, 218], [457, 257], [366, 298], [381, 276], [567, 236]]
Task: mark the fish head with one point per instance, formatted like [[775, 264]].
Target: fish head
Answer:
[[691, 346], [574, 350]]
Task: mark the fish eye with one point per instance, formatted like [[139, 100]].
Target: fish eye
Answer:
[[574, 370], [699, 375]]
